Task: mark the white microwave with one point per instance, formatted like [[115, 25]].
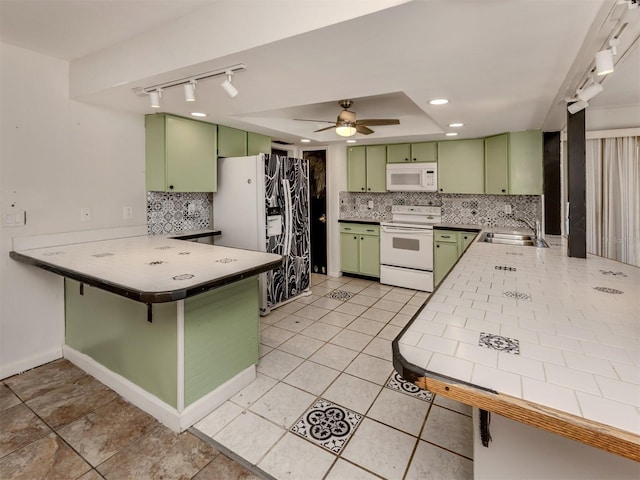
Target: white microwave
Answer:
[[412, 177]]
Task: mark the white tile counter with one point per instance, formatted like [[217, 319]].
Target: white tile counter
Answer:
[[555, 335]]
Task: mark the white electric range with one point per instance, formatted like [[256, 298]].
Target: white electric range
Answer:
[[406, 247]]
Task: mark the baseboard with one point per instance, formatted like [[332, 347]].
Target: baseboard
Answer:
[[31, 362], [163, 412]]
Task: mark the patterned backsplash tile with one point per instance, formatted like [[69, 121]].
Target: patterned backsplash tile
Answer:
[[169, 212], [481, 210]]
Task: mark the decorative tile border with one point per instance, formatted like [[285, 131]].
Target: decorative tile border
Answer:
[[613, 291], [399, 384], [340, 295], [327, 425], [500, 343]]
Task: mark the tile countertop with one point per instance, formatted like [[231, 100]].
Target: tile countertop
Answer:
[[366, 221], [150, 269], [554, 337]]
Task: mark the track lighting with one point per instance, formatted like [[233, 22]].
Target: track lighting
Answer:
[[577, 106], [228, 86], [190, 91], [589, 92], [154, 98], [604, 62]]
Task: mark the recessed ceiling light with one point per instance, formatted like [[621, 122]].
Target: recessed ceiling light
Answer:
[[451, 134], [456, 125], [198, 114], [439, 101], [351, 141], [305, 140]]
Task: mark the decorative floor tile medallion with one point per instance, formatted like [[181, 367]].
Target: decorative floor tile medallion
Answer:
[[164, 247], [500, 343], [517, 295], [396, 382], [183, 276], [227, 260], [100, 255], [505, 268], [615, 274], [609, 290], [340, 295], [327, 425], [156, 262]]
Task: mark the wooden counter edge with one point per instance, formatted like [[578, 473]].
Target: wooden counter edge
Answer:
[[591, 433]]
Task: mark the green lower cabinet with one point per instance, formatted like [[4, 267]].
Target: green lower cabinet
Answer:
[[448, 246], [360, 249]]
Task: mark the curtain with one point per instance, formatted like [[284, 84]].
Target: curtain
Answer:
[[613, 198]]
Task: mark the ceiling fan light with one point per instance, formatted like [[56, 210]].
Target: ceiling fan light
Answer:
[[604, 62], [346, 130]]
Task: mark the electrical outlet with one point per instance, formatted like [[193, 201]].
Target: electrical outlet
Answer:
[[127, 213], [507, 209], [15, 219], [85, 214]]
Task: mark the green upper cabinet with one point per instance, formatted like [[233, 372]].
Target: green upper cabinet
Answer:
[[414, 152], [231, 142], [180, 154], [424, 152], [461, 166], [366, 168], [399, 153], [496, 166], [525, 162], [257, 143]]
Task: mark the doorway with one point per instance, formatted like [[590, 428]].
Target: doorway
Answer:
[[318, 211]]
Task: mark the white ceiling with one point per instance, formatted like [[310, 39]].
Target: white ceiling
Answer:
[[505, 65]]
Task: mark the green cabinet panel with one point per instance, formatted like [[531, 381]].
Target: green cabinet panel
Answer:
[[257, 143], [424, 152], [399, 153], [360, 249], [376, 168], [444, 258], [525, 162], [461, 166], [114, 331], [465, 239], [366, 168], [180, 154], [231, 142], [496, 169]]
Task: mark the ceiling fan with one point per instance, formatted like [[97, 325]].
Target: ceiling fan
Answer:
[[346, 124]]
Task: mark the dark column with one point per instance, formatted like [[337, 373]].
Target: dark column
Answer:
[[552, 200], [576, 153]]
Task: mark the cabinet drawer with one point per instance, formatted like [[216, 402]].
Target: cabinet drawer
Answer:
[[445, 236], [359, 229]]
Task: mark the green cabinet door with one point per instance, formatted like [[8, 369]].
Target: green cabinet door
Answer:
[[465, 238], [376, 168], [399, 153], [525, 162], [349, 256], [424, 152], [444, 258], [257, 143], [357, 169], [231, 142], [496, 158], [370, 255], [461, 166], [180, 154]]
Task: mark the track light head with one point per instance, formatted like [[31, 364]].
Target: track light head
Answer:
[[589, 92], [604, 62], [190, 91], [228, 86], [577, 106], [154, 98]]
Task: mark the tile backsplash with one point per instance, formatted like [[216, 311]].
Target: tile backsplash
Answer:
[[481, 210], [177, 212]]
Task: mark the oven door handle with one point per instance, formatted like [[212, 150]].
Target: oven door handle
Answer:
[[419, 231]]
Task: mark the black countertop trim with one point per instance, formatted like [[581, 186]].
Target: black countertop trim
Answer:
[[457, 228], [191, 236], [360, 220], [142, 296]]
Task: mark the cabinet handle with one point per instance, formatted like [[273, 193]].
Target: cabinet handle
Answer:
[[406, 159], [170, 187], [355, 238], [370, 230], [437, 246], [465, 237], [361, 238], [445, 236], [347, 228], [414, 160], [442, 189], [503, 190], [361, 188], [369, 188]]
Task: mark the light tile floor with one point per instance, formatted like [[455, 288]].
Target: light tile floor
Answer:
[[327, 403]]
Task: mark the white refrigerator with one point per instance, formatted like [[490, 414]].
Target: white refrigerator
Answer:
[[262, 203]]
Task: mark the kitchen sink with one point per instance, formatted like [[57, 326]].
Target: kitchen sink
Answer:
[[510, 238]]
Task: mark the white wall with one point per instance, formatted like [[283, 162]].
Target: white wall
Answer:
[[56, 156], [336, 182]]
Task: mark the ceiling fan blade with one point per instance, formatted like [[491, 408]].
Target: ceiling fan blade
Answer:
[[307, 120], [379, 121], [325, 128], [363, 130]]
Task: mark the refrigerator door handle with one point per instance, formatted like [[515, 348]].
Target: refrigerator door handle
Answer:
[[287, 217]]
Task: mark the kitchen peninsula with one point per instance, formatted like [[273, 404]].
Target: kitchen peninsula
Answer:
[[545, 342], [171, 325]]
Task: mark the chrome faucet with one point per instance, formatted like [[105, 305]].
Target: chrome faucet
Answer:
[[537, 231]]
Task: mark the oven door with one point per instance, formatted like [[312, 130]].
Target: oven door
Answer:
[[406, 247]]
